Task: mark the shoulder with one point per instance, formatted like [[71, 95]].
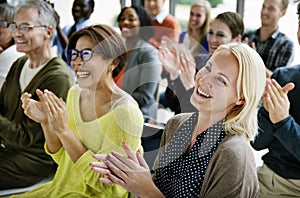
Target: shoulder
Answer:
[[287, 74], [174, 123]]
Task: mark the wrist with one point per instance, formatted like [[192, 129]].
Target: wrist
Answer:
[[175, 75]]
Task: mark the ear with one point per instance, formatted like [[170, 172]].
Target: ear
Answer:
[[115, 63], [283, 12], [240, 102], [238, 38], [49, 32]]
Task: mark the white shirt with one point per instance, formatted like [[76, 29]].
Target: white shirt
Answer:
[[7, 58]]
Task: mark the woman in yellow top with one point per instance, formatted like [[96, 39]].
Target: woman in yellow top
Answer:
[[98, 116]]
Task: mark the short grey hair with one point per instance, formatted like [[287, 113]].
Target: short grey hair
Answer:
[[45, 11], [7, 12]]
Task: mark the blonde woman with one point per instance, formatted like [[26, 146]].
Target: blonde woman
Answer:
[[194, 38], [206, 153]]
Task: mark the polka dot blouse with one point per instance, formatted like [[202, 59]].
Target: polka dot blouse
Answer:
[[181, 171]]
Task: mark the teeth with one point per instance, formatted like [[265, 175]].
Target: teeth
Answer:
[[20, 42], [82, 74], [202, 93]]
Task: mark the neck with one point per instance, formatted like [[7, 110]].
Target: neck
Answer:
[[205, 121], [266, 32], [39, 57]]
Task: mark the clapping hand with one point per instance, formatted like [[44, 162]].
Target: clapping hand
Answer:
[[131, 171], [276, 101]]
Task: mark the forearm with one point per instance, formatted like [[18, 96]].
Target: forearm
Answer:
[[152, 191], [288, 134], [52, 141], [72, 145]]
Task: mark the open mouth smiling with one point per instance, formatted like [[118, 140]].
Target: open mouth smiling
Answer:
[[203, 93]]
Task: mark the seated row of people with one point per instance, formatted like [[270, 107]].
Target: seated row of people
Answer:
[[98, 111]]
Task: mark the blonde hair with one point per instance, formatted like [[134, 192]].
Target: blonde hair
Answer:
[[242, 119], [204, 28]]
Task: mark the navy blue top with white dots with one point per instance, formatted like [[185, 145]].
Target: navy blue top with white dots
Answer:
[[181, 171]]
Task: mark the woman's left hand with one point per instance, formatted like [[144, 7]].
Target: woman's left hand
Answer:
[[57, 112]]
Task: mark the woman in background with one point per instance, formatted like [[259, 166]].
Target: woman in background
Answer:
[[8, 52], [194, 38], [182, 66], [143, 68]]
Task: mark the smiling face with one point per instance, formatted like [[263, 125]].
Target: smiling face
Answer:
[[271, 12], [89, 73], [197, 17], [215, 90], [154, 7], [218, 33], [129, 23], [81, 10], [35, 39], [5, 36]]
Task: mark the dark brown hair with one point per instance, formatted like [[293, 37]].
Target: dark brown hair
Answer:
[[106, 40]]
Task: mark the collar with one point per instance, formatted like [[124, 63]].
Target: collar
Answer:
[[161, 16], [273, 35]]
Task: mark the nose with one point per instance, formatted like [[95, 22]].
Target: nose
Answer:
[[77, 63], [206, 80], [212, 38]]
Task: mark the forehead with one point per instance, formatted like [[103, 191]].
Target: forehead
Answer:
[[81, 2], [219, 25], [129, 11], [198, 9], [155, 1], [226, 63], [27, 15], [273, 3], [84, 42]]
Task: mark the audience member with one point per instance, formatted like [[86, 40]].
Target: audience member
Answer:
[[143, 68], [23, 159], [206, 153], [194, 38], [225, 28], [8, 53], [279, 132], [81, 12], [275, 48], [164, 23], [98, 117]]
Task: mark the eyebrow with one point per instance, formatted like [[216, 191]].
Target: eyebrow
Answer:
[[219, 73], [225, 77]]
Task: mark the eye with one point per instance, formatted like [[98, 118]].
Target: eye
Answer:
[[221, 80], [210, 32], [86, 54], [220, 35], [207, 68], [73, 54]]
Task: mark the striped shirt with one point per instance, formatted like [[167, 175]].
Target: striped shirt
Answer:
[[276, 51]]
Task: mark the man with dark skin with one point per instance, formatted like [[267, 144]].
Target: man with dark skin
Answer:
[[81, 11]]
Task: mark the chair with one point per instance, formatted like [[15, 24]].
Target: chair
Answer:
[[150, 141], [7, 193]]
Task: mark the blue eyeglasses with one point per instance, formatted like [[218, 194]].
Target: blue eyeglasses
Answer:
[[24, 27], [85, 54]]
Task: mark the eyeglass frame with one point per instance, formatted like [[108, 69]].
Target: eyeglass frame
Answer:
[[80, 54], [24, 27], [3, 22]]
